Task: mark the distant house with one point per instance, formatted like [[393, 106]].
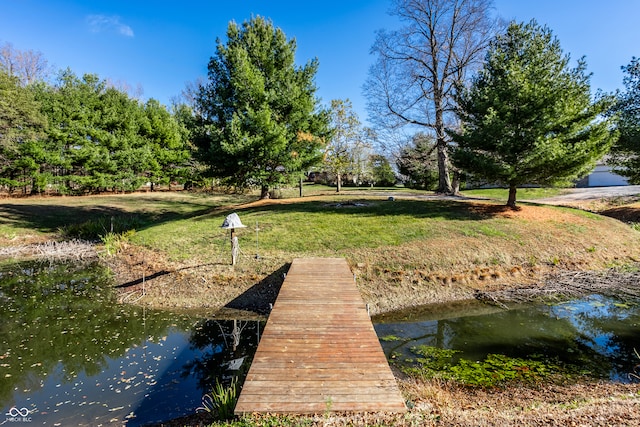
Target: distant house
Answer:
[[602, 176]]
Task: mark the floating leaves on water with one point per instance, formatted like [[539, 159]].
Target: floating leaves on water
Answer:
[[623, 305], [67, 341]]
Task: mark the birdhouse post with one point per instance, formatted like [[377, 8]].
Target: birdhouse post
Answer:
[[231, 222]]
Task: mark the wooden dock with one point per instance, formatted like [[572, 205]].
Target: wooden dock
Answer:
[[319, 352]]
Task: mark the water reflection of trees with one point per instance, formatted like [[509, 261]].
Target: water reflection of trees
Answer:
[[66, 316], [227, 349], [597, 337], [529, 333], [613, 327]]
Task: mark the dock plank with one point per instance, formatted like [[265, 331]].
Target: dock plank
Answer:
[[319, 351]]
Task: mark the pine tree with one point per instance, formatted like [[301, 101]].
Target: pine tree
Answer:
[[626, 150], [528, 118], [21, 130], [259, 123]]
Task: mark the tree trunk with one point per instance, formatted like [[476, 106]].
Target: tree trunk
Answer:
[[338, 183], [264, 192], [456, 183], [444, 181], [512, 196]]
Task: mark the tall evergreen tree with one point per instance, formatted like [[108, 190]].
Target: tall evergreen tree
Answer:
[[382, 173], [418, 164], [527, 117], [626, 150], [21, 128], [163, 135], [260, 122], [101, 139]]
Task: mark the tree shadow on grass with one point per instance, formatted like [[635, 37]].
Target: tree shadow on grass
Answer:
[[419, 208], [261, 296], [628, 214], [50, 218], [148, 277], [142, 280]]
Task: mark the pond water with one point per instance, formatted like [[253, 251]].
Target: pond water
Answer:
[[70, 355], [595, 335]]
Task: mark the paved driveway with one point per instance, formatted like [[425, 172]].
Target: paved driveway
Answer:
[[593, 193]]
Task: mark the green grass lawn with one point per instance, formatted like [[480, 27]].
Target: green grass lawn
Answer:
[[333, 226], [187, 225], [502, 194], [442, 238], [50, 215]]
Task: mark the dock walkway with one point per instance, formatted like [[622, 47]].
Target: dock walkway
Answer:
[[319, 351]]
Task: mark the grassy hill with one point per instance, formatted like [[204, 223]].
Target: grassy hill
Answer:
[[416, 249]]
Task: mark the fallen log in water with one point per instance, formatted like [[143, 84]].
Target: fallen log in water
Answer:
[[570, 285], [52, 251]]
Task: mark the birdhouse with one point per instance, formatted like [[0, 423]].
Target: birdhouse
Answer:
[[232, 221]]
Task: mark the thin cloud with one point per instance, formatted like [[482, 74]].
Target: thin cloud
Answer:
[[110, 24]]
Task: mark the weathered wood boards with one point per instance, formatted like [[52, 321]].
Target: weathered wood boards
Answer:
[[319, 351]]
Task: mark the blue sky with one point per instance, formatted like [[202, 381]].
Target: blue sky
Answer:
[[161, 45]]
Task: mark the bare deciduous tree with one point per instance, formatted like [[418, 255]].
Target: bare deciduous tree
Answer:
[[124, 87], [190, 93], [29, 66], [419, 66], [348, 149]]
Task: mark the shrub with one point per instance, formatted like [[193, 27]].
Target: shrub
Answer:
[[221, 400]]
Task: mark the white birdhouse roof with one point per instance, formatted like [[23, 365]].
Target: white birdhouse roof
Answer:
[[232, 221]]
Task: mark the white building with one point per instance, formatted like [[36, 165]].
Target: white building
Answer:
[[604, 176]]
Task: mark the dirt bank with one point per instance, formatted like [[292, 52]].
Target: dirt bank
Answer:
[[432, 404], [146, 277], [249, 289], [582, 404]]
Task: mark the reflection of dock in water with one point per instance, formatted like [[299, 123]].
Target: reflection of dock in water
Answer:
[[319, 351]]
